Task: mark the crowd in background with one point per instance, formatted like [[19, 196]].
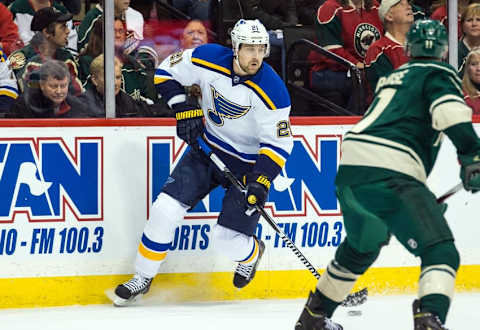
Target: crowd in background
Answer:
[[52, 62]]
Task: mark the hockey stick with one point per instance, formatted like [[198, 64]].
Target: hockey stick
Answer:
[[354, 299], [449, 193]]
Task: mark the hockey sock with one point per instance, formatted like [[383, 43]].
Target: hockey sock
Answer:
[[150, 256], [357, 262], [437, 304], [322, 303], [437, 279], [335, 284], [253, 255]]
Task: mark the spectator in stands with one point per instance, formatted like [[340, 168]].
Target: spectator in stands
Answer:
[[9, 38], [439, 12], [49, 97], [195, 9], [8, 85], [194, 34], [92, 50], [23, 12], [470, 23], [388, 53], [133, 20], [346, 28], [471, 80], [47, 43], [126, 106], [138, 64]]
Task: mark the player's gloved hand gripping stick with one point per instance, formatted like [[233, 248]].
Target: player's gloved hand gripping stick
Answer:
[[353, 299]]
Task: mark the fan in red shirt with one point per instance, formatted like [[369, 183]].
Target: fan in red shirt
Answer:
[[346, 28], [9, 38], [388, 53]]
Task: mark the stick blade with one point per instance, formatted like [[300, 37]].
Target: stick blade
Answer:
[[356, 298]]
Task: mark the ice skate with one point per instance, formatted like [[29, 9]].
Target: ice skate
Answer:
[[313, 318], [245, 273], [130, 291], [425, 320]]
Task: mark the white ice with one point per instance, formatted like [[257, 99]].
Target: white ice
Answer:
[[379, 312]]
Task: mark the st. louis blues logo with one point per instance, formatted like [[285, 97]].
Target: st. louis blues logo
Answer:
[[223, 108]]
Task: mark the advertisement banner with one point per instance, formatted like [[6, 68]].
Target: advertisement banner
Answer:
[[74, 201]]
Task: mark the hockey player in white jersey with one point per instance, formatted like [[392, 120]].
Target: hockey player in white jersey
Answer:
[[245, 106]]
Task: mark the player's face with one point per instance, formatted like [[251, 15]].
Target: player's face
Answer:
[[402, 12], [473, 68], [471, 26], [250, 57], [54, 89]]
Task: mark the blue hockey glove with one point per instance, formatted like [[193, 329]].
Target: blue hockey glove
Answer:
[[189, 122], [470, 172], [257, 190]]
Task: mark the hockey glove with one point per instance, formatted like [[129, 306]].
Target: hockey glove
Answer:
[[470, 172], [257, 190], [189, 122]]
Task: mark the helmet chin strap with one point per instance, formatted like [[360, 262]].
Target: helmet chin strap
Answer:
[[242, 72]]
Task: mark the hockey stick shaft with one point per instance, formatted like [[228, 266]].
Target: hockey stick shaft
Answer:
[[354, 299], [449, 193]]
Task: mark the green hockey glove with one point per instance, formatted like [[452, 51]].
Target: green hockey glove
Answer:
[[470, 172]]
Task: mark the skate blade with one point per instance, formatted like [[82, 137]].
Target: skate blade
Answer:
[[120, 302]]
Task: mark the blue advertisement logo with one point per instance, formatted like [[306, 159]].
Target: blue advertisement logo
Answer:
[[306, 181], [42, 177]]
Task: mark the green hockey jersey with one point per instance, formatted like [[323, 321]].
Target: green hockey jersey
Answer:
[[402, 129]]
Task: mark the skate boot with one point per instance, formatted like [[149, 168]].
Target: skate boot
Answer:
[[425, 320], [313, 318], [130, 291], [245, 273]]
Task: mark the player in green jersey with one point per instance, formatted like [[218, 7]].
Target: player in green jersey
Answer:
[[386, 159]]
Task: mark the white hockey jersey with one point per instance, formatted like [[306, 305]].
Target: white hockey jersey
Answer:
[[246, 117]]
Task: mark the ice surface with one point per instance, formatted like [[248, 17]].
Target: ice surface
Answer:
[[379, 312]]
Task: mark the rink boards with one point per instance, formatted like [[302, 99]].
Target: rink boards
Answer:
[[75, 194]]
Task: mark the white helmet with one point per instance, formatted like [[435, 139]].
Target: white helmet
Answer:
[[249, 32]]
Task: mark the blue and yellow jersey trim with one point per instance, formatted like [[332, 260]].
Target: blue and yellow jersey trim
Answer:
[[211, 66], [152, 250], [9, 92], [227, 148], [253, 254], [277, 155], [161, 76], [266, 84]]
